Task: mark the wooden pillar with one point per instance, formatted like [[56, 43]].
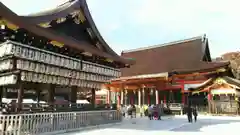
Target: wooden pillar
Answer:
[[93, 97], [122, 97], [139, 97], [164, 98], [182, 92], [157, 96], [148, 97], [73, 95], [143, 96], [51, 94], [125, 96], [132, 96], [1, 94], [38, 94], [209, 102], [20, 97], [109, 95], [119, 99], [183, 98]]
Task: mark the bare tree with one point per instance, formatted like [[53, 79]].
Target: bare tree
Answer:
[[234, 58]]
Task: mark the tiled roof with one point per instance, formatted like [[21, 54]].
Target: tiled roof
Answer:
[[30, 24], [185, 55]]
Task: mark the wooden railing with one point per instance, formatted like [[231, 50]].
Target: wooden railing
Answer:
[[54, 123], [65, 107]]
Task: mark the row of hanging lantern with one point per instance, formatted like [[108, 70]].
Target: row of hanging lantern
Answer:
[[6, 65], [44, 78], [35, 54], [15, 90], [57, 71], [9, 79], [89, 67]]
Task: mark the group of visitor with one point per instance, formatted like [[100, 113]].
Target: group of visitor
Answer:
[[152, 111], [129, 110]]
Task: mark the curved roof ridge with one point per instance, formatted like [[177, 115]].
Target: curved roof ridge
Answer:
[[58, 12], [203, 66], [94, 28], [163, 45], [64, 10], [59, 8], [9, 15]]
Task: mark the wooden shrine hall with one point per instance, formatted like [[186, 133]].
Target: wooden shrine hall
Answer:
[[55, 53], [223, 94], [163, 73]]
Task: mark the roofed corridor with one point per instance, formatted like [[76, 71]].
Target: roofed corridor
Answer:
[[175, 126]]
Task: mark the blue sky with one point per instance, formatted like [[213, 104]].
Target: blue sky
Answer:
[[129, 24]]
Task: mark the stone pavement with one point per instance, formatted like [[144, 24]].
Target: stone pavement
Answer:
[[171, 126]]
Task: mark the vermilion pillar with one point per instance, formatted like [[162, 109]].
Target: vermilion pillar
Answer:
[[119, 98], [209, 96], [182, 91], [209, 102], [109, 95], [148, 97], [183, 98], [164, 99], [132, 98]]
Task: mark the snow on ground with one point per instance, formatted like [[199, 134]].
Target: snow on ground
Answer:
[[171, 126]]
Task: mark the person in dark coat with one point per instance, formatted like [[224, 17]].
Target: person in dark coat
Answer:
[[195, 114], [189, 114], [159, 111], [133, 111]]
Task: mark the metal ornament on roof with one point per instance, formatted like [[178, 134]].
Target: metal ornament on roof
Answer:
[[61, 20], [45, 25], [9, 24]]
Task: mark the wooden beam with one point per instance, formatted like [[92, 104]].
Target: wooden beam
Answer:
[[137, 81], [190, 82], [194, 74]]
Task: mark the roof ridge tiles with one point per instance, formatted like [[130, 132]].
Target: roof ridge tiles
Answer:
[[164, 44]]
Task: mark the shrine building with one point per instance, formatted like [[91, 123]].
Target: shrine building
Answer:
[[164, 73], [54, 53]]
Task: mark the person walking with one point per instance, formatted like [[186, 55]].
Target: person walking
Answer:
[[129, 111], [159, 109], [150, 112], [189, 114], [195, 114], [124, 110], [133, 111], [142, 110]]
